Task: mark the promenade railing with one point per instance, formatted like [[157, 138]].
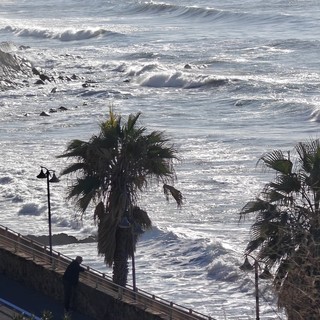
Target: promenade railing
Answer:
[[40, 254]]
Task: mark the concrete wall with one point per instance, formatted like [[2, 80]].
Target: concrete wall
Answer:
[[89, 301]]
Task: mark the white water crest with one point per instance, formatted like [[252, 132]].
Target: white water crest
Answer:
[[226, 81]]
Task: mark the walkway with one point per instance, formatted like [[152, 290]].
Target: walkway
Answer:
[[30, 300]]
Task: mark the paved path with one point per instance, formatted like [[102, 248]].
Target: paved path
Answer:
[[31, 300]]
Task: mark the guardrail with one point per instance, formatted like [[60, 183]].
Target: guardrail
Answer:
[[14, 308], [58, 262]]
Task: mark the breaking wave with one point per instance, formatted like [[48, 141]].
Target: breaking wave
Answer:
[[67, 35], [209, 13]]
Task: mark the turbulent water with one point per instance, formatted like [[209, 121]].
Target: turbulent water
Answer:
[[225, 80]]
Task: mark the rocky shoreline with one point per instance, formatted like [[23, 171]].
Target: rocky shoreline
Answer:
[[61, 239]]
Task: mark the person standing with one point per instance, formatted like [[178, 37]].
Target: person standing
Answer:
[[70, 280]]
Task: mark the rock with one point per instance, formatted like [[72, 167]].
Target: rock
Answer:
[[35, 71], [44, 77], [39, 82], [61, 239], [44, 114], [22, 47]]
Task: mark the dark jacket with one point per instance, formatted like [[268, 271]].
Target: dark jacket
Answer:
[[71, 274]]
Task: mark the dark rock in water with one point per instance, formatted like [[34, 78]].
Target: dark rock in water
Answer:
[[63, 108], [44, 114], [22, 47], [35, 71], [187, 66], [60, 239], [39, 82], [53, 110], [54, 90], [44, 77]]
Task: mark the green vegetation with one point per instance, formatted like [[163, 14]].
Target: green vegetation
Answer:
[[111, 169], [286, 232]]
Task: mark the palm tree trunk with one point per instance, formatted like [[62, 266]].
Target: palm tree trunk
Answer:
[[120, 262]]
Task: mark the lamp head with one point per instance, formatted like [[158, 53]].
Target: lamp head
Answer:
[[247, 266], [42, 175], [54, 178], [265, 274], [124, 223]]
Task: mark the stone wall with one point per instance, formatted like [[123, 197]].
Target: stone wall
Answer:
[[89, 301]]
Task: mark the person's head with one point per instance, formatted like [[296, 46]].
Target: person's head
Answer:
[[79, 259]]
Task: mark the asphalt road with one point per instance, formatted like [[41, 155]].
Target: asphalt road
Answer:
[[32, 301]]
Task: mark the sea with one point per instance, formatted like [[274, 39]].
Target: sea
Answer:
[[226, 81]]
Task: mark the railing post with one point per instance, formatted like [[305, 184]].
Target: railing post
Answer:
[[53, 262], [120, 293], [58, 260], [33, 254], [17, 244], [171, 308]]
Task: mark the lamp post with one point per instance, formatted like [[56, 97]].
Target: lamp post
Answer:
[[247, 266], [134, 230], [47, 174]]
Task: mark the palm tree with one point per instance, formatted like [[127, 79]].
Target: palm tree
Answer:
[[286, 232], [111, 169]]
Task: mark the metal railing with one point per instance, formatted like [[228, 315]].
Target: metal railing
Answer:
[[23, 246], [10, 306]]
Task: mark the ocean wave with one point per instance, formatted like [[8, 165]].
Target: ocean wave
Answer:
[[208, 13], [8, 47], [179, 249], [158, 233], [178, 79], [223, 271], [67, 35], [177, 10]]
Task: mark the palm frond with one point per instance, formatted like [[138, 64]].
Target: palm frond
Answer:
[[141, 217], [286, 183], [257, 205], [277, 161], [175, 193], [76, 148]]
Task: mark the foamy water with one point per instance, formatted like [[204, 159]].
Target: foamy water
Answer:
[[225, 81]]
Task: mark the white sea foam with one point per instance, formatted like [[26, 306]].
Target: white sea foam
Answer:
[[65, 35], [226, 82]]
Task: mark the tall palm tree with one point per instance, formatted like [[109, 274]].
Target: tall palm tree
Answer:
[[110, 170], [286, 232]]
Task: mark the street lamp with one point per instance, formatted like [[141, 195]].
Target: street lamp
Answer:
[[247, 266], [51, 177]]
